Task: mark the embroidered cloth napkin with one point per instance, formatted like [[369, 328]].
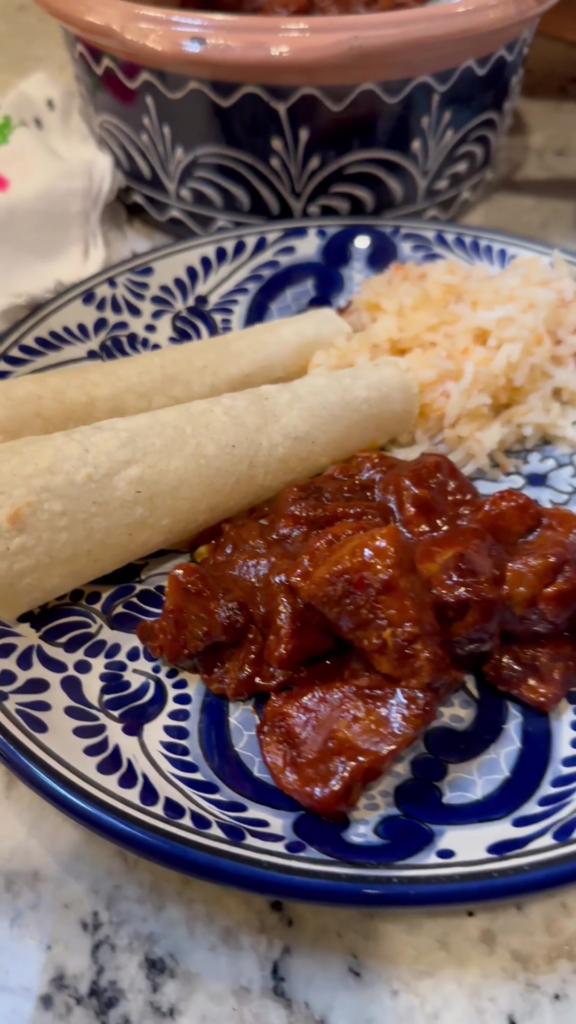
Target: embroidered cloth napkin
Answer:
[[55, 182]]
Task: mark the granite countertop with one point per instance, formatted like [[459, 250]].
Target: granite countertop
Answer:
[[92, 935]]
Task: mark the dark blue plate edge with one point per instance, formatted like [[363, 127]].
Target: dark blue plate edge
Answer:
[[216, 868]]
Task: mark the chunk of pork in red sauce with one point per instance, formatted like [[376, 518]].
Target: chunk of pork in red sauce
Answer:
[[324, 744], [508, 516], [540, 674], [356, 598], [539, 591], [463, 568], [427, 495], [367, 588], [196, 613]]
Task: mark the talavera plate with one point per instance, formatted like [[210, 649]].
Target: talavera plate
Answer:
[[483, 806]]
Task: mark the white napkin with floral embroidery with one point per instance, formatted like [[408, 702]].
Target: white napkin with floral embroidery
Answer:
[[54, 184]]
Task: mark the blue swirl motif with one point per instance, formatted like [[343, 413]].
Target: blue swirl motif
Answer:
[[113, 689], [98, 340], [26, 695], [329, 278], [122, 295], [217, 804], [546, 475], [429, 246], [417, 814], [203, 299]]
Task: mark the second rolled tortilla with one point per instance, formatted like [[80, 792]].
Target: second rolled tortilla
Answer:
[[79, 504], [71, 397]]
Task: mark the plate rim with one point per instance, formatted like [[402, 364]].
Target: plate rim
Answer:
[[187, 860], [176, 854], [63, 298]]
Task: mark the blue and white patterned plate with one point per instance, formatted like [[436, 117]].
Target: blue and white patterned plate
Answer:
[[483, 806]]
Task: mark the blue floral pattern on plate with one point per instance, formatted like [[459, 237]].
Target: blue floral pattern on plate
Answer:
[[483, 805]]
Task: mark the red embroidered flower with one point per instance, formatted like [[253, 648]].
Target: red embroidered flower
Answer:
[[4, 183]]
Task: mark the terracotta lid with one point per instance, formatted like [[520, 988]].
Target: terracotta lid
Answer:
[[320, 50]]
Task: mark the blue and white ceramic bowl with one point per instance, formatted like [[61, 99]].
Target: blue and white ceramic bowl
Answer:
[[219, 120], [483, 806]]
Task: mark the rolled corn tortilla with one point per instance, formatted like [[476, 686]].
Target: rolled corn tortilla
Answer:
[[71, 397], [79, 504]]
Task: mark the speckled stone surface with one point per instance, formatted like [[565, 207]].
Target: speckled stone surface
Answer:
[[91, 935]]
